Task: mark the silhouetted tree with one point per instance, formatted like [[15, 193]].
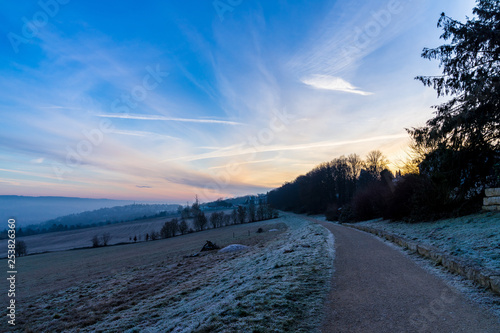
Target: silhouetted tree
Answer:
[[226, 219], [21, 248], [261, 211], [95, 241], [183, 227], [217, 219], [234, 216], [252, 211], [242, 214], [169, 229], [154, 235], [466, 129], [200, 221], [186, 213], [105, 238], [376, 162]]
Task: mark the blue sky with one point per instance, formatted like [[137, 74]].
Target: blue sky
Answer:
[[160, 100]]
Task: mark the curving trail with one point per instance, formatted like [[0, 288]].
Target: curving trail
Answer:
[[375, 288]]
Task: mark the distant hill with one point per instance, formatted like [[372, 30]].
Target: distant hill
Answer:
[[115, 214], [34, 210]]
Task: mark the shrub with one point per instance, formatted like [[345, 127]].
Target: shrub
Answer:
[[371, 202], [183, 227], [169, 229], [106, 237], [332, 213], [95, 241], [21, 248]]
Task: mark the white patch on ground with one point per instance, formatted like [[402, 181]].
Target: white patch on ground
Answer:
[[234, 248], [475, 238]]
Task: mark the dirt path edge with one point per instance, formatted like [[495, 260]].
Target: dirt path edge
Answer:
[[482, 276]]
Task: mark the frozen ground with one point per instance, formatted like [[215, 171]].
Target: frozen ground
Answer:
[[475, 238], [73, 239], [277, 285]]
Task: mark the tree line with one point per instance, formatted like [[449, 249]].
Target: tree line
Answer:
[[251, 212], [337, 188]]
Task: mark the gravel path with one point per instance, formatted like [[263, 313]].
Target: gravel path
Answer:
[[375, 288]]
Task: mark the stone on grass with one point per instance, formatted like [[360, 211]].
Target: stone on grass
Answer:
[[234, 248]]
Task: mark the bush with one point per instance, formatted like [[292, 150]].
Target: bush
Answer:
[[371, 202], [346, 214], [21, 248], [96, 241], [332, 212], [402, 202], [183, 227], [169, 229], [106, 237]]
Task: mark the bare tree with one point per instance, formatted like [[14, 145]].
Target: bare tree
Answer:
[[226, 219], [415, 154], [217, 219], [21, 248], [169, 229], [154, 235], [234, 216], [183, 227], [105, 238], [376, 162], [242, 214], [261, 214], [200, 221], [95, 241], [355, 165], [251, 211]]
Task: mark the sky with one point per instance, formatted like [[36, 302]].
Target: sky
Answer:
[[165, 100]]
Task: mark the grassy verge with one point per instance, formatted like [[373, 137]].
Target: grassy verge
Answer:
[[277, 285], [475, 238]]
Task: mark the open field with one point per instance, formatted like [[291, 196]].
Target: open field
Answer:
[[475, 238], [276, 285], [72, 239]]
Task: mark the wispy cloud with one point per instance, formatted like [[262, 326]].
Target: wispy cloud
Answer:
[[38, 160], [224, 152], [144, 134], [162, 118], [56, 107], [332, 83], [243, 163]]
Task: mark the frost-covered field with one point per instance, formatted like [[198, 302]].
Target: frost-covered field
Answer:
[[80, 238], [475, 238], [277, 285]]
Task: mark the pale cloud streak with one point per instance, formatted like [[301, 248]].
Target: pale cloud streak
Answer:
[[144, 134], [162, 118], [224, 152], [327, 82]]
